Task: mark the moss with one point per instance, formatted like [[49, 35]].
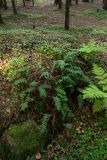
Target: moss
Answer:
[[24, 139]]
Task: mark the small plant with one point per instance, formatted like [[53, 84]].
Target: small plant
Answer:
[[97, 93], [50, 50], [46, 89], [91, 49]]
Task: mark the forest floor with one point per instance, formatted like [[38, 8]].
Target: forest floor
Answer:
[[45, 25]]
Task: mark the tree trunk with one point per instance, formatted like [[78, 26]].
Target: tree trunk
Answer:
[[1, 3], [60, 4], [24, 3], [5, 4], [14, 7], [105, 4], [85, 0], [33, 3], [67, 6], [76, 1], [1, 20]]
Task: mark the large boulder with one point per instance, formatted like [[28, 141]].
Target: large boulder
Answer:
[[24, 139]]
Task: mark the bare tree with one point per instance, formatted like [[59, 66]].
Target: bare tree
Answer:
[[24, 3], [1, 20], [5, 4], [67, 6], [14, 7], [105, 4]]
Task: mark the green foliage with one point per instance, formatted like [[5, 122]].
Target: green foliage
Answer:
[[50, 50], [92, 48], [88, 144], [97, 93], [24, 37], [44, 123], [21, 16], [24, 139], [32, 83], [96, 13], [97, 31]]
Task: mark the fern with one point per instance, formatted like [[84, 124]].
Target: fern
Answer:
[[42, 90], [44, 123], [61, 103], [97, 93]]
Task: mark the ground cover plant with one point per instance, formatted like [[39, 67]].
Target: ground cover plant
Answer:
[[53, 82]]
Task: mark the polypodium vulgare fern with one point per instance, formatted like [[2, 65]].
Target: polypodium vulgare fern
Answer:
[[97, 93]]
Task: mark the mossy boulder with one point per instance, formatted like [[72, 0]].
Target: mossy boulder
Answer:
[[24, 139]]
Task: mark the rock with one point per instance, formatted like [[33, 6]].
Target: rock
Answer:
[[24, 139]]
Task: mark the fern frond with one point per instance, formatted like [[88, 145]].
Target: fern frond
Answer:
[[44, 123], [97, 106], [42, 90], [99, 72], [93, 92]]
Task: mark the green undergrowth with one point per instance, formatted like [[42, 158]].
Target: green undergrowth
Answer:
[[23, 139], [96, 13], [81, 143], [98, 31], [25, 37], [21, 16], [31, 37]]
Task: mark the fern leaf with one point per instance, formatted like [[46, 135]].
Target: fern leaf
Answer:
[[19, 81], [92, 92], [42, 90], [97, 106], [44, 123]]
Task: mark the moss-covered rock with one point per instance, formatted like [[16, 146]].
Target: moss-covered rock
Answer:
[[24, 139]]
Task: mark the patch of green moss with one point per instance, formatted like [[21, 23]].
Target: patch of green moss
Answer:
[[24, 139]]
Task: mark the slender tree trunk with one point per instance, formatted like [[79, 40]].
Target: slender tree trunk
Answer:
[[33, 3], [14, 7], [85, 0], [105, 4], [24, 3], [60, 4], [76, 1], [1, 3], [67, 6], [5, 4], [1, 20], [71, 2]]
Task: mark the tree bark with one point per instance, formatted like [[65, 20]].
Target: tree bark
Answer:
[[76, 1], [1, 3], [105, 4], [24, 3], [67, 6], [5, 4], [1, 20], [60, 4], [14, 7], [33, 3], [85, 0]]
